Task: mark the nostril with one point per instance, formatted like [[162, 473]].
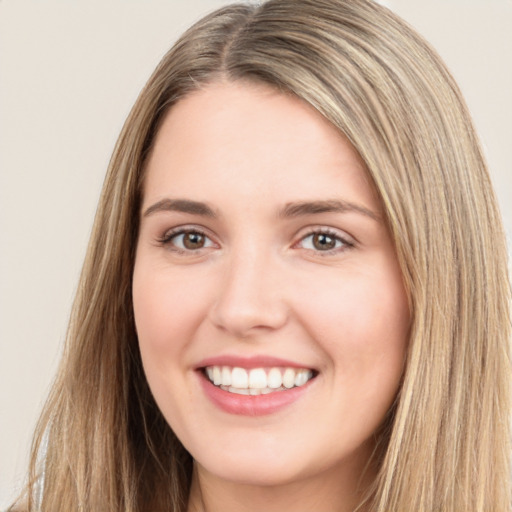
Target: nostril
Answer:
[[243, 320]]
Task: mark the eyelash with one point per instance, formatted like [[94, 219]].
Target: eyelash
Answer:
[[166, 240], [344, 243]]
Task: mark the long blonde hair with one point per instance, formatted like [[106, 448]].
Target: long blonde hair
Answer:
[[447, 443]]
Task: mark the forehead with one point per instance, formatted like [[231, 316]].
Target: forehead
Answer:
[[248, 138]]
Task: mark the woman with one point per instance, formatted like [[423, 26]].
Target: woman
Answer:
[[296, 291]]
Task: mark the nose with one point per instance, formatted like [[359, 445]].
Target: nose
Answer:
[[250, 299]]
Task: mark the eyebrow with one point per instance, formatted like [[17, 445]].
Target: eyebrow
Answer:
[[181, 205], [327, 206], [294, 209]]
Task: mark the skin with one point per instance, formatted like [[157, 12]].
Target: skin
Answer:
[[259, 285]]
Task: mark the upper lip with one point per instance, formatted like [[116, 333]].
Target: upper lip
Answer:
[[260, 361]]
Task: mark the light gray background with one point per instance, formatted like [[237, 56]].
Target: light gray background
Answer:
[[69, 72]]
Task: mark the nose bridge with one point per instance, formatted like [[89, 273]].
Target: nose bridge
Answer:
[[249, 297]]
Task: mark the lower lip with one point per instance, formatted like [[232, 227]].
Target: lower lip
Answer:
[[252, 405]]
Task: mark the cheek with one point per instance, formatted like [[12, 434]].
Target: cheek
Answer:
[[165, 314], [167, 308], [363, 326]]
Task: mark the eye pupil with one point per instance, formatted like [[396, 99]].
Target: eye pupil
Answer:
[[323, 242], [193, 240]]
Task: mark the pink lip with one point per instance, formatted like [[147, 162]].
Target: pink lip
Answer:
[[248, 405], [248, 362]]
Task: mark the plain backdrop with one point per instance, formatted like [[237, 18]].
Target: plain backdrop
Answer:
[[69, 72]]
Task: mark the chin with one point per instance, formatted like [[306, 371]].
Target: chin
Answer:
[[257, 473]]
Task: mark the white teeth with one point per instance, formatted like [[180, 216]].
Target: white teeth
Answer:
[[217, 377], [239, 391], [257, 381], [250, 391], [239, 378], [302, 377], [226, 376], [274, 378], [289, 378], [258, 378]]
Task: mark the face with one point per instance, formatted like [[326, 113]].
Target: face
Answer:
[[269, 304]]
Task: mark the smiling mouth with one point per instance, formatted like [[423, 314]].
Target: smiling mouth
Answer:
[[257, 381]]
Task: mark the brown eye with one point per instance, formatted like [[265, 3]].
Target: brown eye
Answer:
[[193, 240], [188, 241], [323, 241]]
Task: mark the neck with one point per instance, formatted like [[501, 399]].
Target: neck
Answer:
[[326, 492]]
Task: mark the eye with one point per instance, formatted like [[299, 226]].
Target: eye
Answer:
[[324, 241], [187, 240]]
